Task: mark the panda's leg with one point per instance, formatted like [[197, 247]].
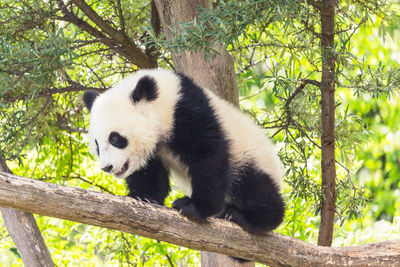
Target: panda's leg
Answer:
[[151, 183], [257, 205], [210, 185]]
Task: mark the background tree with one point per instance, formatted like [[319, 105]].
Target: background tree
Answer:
[[52, 51]]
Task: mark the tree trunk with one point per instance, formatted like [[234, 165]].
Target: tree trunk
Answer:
[[27, 238], [166, 224], [25, 233], [217, 74], [328, 170]]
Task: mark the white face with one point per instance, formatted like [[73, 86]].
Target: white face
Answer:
[[125, 133], [135, 124]]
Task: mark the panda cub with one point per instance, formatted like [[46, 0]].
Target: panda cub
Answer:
[[159, 123]]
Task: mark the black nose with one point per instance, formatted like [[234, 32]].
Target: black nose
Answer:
[[107, 168]]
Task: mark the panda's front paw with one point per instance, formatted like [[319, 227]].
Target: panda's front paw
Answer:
[[186, 207], [150, 200], [145, 199]]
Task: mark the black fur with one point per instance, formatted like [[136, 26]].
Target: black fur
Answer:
[[117, 140], [88, 98], [146, 89], [150, 183], [200, 143], [256, 204]]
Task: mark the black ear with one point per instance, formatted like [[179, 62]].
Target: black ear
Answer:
[[89, 97], [146, 89]]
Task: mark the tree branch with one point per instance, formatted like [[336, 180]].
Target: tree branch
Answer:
[[137, 56], [75, 87], [127, 49], [120, 15], [299, 89], [72, 18], [153, 221]]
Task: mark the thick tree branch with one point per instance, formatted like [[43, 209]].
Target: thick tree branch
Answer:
[[72, 18], [138, 56], [155, 19], [153, 221], [118, 41]]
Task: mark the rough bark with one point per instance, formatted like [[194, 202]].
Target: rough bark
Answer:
[[217, 74], [165, 224], [220, 260], [25, 233], [328, 171]]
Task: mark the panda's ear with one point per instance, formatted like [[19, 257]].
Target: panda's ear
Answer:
[[89, 97], [146, 89]]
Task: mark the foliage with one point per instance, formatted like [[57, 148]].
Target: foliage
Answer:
[[47, 58]]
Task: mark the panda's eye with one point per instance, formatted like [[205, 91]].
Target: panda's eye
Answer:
[[97, 147], [117, 140]]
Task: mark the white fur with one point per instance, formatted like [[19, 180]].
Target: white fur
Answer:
[[248, 141], [143, 123], [179, 171]]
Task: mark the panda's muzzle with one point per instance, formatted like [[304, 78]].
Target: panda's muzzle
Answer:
[[123, 169]]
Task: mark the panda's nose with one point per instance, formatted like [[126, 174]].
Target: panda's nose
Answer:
[[107, 168]]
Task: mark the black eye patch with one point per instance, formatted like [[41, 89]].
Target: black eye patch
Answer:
[[117, 140], [97, 147]]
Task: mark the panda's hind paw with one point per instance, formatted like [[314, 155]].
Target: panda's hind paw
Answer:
[[186, 207]]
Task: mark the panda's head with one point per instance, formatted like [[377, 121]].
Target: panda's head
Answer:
[[129, 120]]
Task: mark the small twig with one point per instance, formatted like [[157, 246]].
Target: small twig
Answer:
[[128, 250], [71, 129], [256, 93], [166, 255], [299, 89], [121, 15], [91, 183], [51, 91]]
